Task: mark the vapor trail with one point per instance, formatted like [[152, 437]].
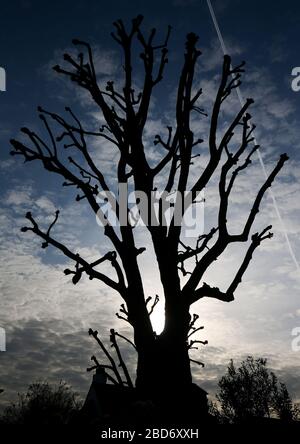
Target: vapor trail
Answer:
[[240, 97]]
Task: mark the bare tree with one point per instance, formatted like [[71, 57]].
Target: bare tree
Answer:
[[162, 359]]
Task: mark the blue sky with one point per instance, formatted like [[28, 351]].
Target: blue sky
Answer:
[[45, 317]]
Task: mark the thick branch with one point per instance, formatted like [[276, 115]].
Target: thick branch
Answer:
[[52, 163], [228, 296], [256, 240], [225, 239], [255, 208], [121, 360], [210, 292], [94, 333], [86, 267]]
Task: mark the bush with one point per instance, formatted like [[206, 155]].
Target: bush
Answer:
[[253, 391], [43, 404]]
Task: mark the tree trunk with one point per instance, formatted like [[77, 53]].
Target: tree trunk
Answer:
[[164, 377], [163, 360], [163, 363]]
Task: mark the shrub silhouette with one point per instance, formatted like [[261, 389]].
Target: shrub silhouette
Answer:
[[43, 404], [253, 391]]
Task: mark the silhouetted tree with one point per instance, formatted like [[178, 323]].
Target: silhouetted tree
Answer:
[[162, 359], [253, 391], [43, 404]]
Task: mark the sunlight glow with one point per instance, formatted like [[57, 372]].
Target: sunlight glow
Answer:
[[158, 319]]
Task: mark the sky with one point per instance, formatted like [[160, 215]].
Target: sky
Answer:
[[45, 317]]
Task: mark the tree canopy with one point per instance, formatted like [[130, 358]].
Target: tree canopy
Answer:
[[253, 391], [43, 403]]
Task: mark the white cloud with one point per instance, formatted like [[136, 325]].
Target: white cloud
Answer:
[[212, 56], [20, 196], [44, 203]]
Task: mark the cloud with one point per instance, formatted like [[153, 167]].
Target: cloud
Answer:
[[45, 204], [7, 164], [107, 64], [44, 350], [19, 196], [45, 317], [212, 56]]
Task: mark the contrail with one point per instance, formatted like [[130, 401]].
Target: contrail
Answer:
[[240, 97]]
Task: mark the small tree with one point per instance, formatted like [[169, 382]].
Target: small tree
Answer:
[[163, 360], [43, 404], [252, 390], [282, 403]]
